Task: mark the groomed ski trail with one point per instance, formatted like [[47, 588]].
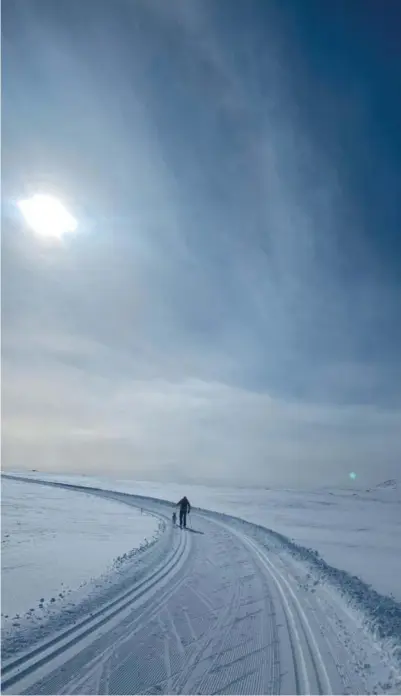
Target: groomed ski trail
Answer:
[[221, 614]]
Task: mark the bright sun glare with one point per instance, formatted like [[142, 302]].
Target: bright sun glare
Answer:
[[47, 217]]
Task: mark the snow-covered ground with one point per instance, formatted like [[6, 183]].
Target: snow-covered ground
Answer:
[[230, 608], [355, 530], [55, 541]]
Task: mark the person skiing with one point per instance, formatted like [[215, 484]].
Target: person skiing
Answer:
[[185, 508], [174, 517]]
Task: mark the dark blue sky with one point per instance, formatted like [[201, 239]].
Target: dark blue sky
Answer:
[[351, 52], [235, 168]]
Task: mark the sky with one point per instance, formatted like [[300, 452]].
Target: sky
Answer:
[[229, 309]]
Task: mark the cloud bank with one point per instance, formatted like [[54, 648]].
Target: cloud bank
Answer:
[[223, 314]]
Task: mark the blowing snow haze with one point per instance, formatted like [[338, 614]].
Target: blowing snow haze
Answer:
[[229, 307]]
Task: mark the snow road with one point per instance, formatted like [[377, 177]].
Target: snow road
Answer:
[[221, 609]]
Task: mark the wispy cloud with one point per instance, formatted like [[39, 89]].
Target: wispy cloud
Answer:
[[65, 417], [212, 319]]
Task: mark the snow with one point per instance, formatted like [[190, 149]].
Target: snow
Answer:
[[55, 541], [358, 532], [355, 530], [246, 595]]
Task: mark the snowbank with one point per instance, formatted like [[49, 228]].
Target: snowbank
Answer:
[[55, 541]]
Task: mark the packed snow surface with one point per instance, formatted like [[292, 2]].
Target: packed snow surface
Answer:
[[226, 606], [233, 607]]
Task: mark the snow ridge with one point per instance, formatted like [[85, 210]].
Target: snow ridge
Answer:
[[382, 615]]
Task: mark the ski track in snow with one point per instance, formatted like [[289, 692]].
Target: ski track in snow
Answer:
[[226, 611]]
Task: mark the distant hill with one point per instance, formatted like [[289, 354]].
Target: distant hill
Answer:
[[391, 483]]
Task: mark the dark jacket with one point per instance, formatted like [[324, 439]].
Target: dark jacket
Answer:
[[184, 504]]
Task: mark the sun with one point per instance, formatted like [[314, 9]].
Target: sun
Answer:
[[47, 217]]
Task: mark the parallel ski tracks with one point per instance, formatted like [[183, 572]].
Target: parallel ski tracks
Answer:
[[25, 665], [288, 655], [310, 671]]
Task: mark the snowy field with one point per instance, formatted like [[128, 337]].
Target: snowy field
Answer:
[[55, 541], [352, 529], [230, 608]]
